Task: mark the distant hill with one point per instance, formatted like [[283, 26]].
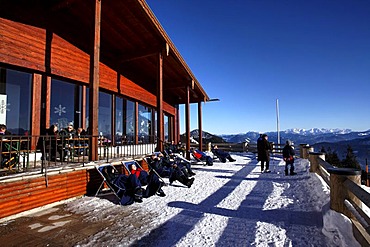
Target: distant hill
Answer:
[[207, 137], [337, 139]]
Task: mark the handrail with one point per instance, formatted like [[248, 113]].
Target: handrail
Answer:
[[37, 153], [346, 194]]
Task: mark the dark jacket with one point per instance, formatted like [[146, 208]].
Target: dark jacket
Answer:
[[264, 149], [288, 154]]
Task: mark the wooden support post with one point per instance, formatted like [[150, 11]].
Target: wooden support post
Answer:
[[94, 84], [338, 192], [36, 112], [177, 125], [160, 117], [200, 128], [187, 121], [314, 163], [301, 149], [305, 151]]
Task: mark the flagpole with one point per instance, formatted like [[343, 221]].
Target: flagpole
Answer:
[[277, 121]]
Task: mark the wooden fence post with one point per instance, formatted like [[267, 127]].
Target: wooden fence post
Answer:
[[338, 192], [301, 149], [305, 151], [314, 163]]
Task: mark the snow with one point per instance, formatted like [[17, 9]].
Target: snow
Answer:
[[229, 204]]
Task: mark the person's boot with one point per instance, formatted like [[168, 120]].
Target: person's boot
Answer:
[[138, 196], [189, 183], [286, 172], [231, 159], [161, 193], [191, 173], [292, 172]]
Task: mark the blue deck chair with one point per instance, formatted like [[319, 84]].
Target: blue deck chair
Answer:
[[125, 195], [153, 182], [114, 189], [201, 157]]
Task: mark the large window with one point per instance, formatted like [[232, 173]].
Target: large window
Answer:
[[130, 121], [105, 115], [65, 106], [119, 135], [145, 124], [15, 101], [166, 129]]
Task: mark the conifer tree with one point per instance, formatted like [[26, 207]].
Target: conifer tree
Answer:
[[350, 161], [332, 158]]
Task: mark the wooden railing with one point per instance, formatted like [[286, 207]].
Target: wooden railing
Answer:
[[243, 147], [19, 154], [346, 194]]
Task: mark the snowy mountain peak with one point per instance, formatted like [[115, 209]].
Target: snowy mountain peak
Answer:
[[319, 131]]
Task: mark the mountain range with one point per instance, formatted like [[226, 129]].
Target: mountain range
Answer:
[[336, 139]]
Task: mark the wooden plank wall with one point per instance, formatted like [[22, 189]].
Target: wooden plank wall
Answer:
[[33, 48], [29, 193]]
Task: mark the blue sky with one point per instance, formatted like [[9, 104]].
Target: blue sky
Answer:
[[313, 56]]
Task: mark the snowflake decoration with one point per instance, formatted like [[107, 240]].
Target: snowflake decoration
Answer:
[[59, 110]]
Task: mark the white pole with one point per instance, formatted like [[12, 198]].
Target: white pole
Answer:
[[277, 121]]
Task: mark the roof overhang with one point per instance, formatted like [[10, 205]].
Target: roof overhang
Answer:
[[131, 40]]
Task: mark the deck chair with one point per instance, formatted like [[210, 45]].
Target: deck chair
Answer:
[[127, 164], [114, 189], [153, 185], [146, 159], [201, 157], [118, 191]]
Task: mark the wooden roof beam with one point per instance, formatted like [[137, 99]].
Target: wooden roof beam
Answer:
[[143, 53]]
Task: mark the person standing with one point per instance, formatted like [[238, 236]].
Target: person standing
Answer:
[[263, 149], [288, 157]]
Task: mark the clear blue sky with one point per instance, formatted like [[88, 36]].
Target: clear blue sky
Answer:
[[314, 56]]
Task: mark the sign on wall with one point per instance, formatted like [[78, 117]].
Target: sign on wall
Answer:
[[3, 104]]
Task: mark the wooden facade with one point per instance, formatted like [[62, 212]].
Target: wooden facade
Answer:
[[118, 47]]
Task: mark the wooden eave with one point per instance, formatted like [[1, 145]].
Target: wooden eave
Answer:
[[131, 40]]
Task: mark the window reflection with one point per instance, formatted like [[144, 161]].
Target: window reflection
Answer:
[[105, 115], [15, 101], [166, 128], [65, 104], [119, 121], [130, 121], [145, 122]]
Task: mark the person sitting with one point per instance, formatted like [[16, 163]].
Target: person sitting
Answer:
[[154, 186], [167, 168], [82, 142], [128, 187], [3, 130], [172, 148], [67, 135], [6, 158], [80, 132], [201, 156], [180, 161], [49, 143], [222, 155]]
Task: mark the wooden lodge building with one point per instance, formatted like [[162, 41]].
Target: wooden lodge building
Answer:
[[107, 66]]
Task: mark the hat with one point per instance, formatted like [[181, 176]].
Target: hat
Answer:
[[289, 142]]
